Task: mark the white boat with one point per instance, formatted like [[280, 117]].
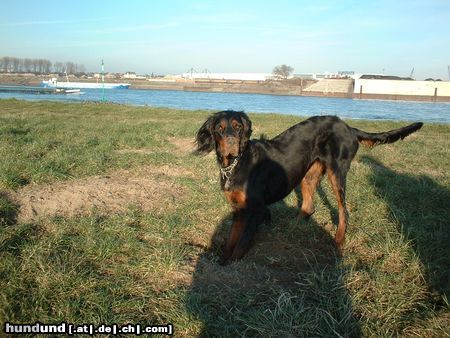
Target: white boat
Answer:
[[73, 91], [53, 83]]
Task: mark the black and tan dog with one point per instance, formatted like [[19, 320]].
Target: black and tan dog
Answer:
[[256, 173]]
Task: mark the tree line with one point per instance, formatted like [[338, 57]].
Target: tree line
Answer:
[[10, 64]]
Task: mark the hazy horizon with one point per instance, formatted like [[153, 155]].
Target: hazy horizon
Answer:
[[252, 36]]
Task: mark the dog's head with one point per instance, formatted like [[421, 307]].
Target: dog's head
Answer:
[[228, 132]]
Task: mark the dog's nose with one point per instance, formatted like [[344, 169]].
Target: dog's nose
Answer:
[[230, 146], [231, 141]]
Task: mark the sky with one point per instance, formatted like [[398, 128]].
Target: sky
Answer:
[[171, 37]]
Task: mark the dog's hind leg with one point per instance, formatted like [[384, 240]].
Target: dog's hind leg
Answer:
[[337, 180], [308, 186]]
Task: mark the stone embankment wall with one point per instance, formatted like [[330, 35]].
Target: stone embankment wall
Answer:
[[431, 91]]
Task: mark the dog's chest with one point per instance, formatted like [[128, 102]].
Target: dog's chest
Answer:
[[236, 197], [233, 182]]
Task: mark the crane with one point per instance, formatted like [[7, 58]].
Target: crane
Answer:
[[412, 73], [191, 71]]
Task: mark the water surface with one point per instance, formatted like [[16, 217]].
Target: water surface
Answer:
[[261, 103]]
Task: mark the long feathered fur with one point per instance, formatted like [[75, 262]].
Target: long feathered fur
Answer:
[[372, 139]]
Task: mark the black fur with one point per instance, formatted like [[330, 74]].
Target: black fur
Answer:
[[204, 139], [388, 137]]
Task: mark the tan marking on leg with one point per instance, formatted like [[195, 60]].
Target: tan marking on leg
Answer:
[[339, 192], [308, 186], [237, 229]]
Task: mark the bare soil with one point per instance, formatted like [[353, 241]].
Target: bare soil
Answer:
[[148, 188], [183, 145]]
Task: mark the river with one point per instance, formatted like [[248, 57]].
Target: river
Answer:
[[260, 103]]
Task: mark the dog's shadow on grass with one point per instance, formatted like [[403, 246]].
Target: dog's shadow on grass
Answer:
[[8, 210], [420, 206], [290, 283]]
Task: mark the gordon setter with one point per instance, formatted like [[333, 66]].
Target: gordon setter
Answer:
[[256, 173]]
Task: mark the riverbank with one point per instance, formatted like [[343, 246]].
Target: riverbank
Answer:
[[293, 87], [289, 87], [259, 103], [107, 217]]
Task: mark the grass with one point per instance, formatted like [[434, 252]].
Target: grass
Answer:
[[159, 265]]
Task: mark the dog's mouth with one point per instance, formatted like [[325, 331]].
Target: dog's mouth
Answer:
[[228, 160], [231, 158]]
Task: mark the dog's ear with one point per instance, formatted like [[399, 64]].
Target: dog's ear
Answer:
[[204, 139], [247, 132]]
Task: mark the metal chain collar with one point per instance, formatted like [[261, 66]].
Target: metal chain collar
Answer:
[[228, 171]]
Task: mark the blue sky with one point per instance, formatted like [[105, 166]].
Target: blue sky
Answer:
[[233, 36]]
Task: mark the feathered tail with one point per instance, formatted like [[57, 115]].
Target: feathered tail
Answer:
[[372, 139]]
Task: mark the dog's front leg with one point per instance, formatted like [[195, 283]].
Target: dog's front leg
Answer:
[[253, 218], [237, 228]]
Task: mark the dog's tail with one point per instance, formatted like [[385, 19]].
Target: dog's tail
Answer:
[[372, 139]]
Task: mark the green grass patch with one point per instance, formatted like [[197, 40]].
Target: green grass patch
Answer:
[[159, 265]]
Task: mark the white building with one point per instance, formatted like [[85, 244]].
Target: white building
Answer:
[[228, 76], [326, 75], [133, 76], [402, 87]]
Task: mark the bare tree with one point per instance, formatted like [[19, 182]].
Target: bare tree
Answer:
[[21, 68], [47, 66], [38, 66], [27, 64], [70, 67], [81, 68], [40, 63], [6, 63], [15, 62], [34, 65], [58, 67], [282, 72]]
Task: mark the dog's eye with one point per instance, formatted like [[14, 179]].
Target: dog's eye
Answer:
[[237, 127], [220, 129]]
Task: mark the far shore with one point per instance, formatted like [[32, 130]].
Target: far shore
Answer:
[[292, 87]]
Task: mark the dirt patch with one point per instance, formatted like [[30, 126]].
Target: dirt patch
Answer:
[[167, 170], [183, 145], [149, 188]]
